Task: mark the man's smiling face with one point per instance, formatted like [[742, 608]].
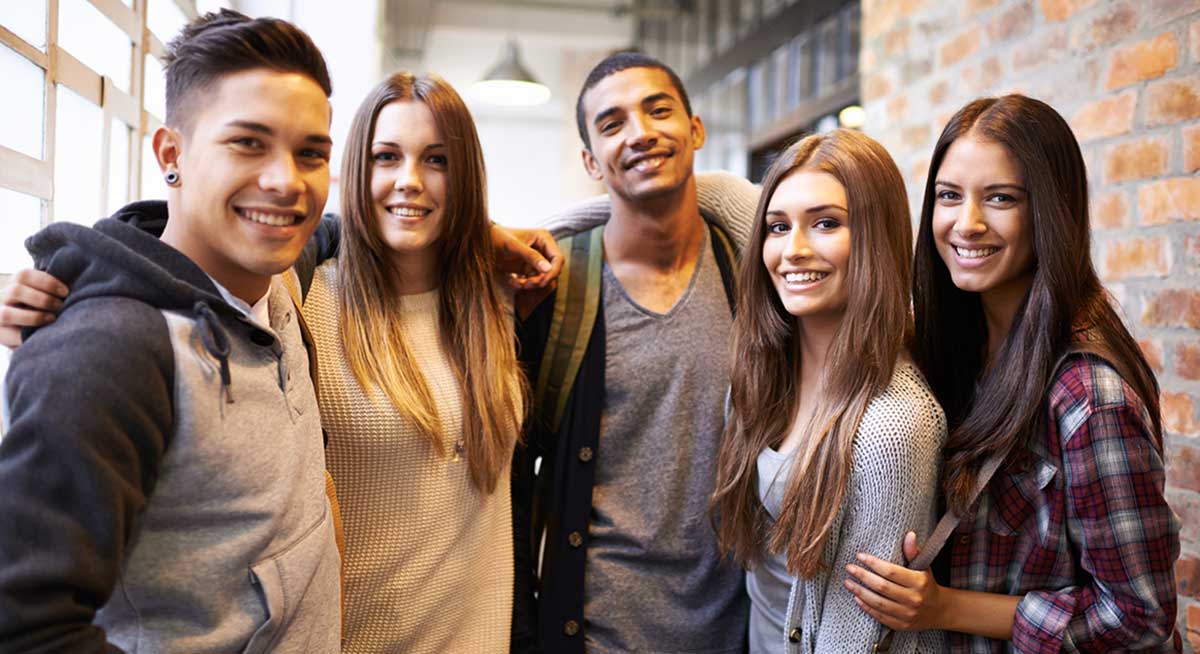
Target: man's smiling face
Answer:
[[642, 139]]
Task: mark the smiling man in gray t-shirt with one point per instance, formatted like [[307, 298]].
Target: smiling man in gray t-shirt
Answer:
[[629, 560]]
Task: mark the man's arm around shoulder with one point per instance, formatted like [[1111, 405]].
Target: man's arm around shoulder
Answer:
[[89, 403]]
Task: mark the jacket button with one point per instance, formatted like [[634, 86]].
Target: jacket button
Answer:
[[259, 337], [575, 539], [585, 454], [571, 628], [794, 635]]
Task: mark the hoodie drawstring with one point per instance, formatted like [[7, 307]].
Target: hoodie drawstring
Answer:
[[216, 342]]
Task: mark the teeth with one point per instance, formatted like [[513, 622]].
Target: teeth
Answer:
[[649, 163], [407, 212], [809, 276], [272, 219], [975, 254]]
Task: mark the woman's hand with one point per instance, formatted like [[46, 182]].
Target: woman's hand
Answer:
[[32, 298], [897, 597]]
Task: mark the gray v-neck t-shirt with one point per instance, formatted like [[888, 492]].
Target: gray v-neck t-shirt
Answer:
[[655, 582]]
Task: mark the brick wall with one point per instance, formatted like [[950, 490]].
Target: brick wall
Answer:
[[1126, 74]]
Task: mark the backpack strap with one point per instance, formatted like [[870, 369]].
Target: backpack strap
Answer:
[[727, 257], [576, 304]]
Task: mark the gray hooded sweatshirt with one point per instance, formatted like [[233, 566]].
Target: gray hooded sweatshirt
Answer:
[[162, 467]]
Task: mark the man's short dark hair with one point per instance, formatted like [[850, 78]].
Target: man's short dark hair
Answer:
[[219, 44], [616, 63]]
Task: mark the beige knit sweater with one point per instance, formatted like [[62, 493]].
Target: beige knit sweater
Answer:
[[429, 559]]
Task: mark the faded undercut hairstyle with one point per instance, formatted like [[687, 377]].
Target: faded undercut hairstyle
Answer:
[[227, 42], [475, 322], [996, 409], [862, 355]]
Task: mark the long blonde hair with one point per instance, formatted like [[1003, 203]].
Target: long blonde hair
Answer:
[[475, 325], [766, 350]]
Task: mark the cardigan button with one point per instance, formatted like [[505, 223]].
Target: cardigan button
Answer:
[[585, 454], [794, 635], [575, 539], [571, 628]]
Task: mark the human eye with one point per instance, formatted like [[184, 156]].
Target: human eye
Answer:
[[1002, 198], [247, 142], [609, 126], [778, 227], [383, 156], [314, 155], [946, 195], [439, 160], [827, 224], [661, 111]]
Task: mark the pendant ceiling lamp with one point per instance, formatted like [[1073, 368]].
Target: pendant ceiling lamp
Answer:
[[509, 83]]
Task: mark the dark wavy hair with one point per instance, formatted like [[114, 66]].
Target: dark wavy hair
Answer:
[[227, 42], [995, 408]]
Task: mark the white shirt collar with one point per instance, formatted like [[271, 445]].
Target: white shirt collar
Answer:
[[258, 312]]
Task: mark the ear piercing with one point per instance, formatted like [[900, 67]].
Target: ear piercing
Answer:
[[171, 177]]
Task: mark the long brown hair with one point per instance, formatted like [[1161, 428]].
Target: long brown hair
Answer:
[[475, 327], [1065, 296], [765, 378]]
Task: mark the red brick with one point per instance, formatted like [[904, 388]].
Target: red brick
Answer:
[[1144, 60], [895, 42], [1191, 254], [959, 47], [1172, 100], [1193, 626], [1153, 352], [1047, 48], [972, 8], [1110, 211], [939, 93], [897, 106], [879, 19], [1187, 576], [876, 86], [1195, 41], [1191, 148], [1114, 24], [1136, 159], [1161, 12], [1187, 360], [1183, 467], [1055, 10], [1111, 116], [1168, 200], [1011, 24], [910, 7], [1173, 308], [914, 136], [1179, 417], [1137, 257]]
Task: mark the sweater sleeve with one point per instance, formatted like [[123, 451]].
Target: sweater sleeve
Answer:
[[727, 199], [90, 412], [896, 460]]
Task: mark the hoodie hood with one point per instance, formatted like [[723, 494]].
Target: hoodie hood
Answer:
[[122, 256]]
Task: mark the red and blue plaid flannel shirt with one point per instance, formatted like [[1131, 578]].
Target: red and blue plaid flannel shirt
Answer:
[[1083, 532]]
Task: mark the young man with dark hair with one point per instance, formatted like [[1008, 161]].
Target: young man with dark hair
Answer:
[[163, 464], [627, 362]]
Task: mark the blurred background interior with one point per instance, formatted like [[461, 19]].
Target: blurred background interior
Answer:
[[84, 90]]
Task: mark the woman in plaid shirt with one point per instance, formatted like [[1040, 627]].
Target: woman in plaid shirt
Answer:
[[1071, 546]]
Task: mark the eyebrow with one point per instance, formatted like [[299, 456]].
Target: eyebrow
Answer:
[[393, 144], [648, 100], [260, 128], [989, 187], [817, 209]]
